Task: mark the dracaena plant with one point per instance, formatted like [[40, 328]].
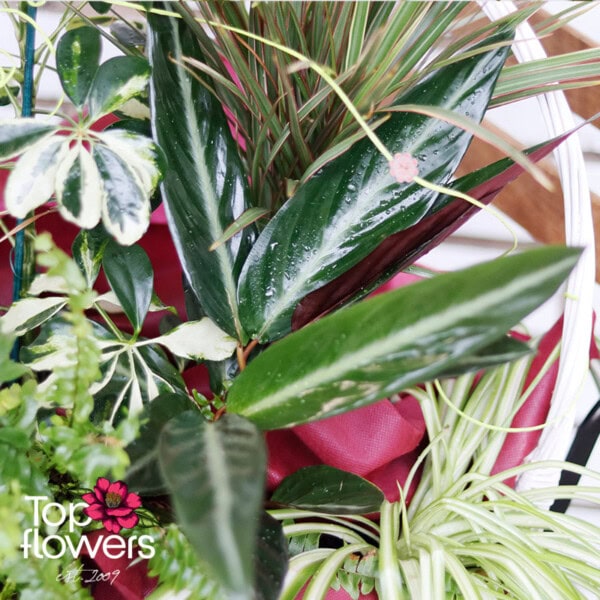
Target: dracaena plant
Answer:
[[305, 153]]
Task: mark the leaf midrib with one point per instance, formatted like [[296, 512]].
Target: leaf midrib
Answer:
[[340, 233], [204, 180]]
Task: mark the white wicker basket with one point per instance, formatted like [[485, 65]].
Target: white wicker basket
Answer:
[[577, 328]]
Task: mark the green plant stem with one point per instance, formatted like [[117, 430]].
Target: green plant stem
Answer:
[[111, 325]]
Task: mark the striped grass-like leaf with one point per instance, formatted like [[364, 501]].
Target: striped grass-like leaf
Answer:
[[31, 183], [18, 135], [384, 344], [215, 475]]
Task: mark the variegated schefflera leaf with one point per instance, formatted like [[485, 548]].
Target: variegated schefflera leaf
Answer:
[[107, 176]]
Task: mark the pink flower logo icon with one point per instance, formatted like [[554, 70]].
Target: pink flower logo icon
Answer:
[[112, 504]]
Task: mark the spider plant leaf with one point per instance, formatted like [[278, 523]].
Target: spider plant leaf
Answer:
[[329, 490], [78, 188], [126, 205], [131, 277], [18, 135], [382, 345], [215, 474], [31, 182], [205, 187], [343, 213], [117, 80], [405, 247], [77, 61]]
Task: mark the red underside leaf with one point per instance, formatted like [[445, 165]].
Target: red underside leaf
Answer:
[[405, 247]]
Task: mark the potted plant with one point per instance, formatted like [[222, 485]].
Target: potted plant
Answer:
[[303, 154]]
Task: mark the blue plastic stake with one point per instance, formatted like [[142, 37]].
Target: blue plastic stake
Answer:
[[26, 110]]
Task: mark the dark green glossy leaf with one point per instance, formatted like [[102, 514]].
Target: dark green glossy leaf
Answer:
[[329, 490], [205, 187], [402, 249], [126, 205], [130, 275], [101, 7], [117, 80], [77, 61], [340, 215], [87, 250], [17, 135], [384, 344], [144, 474], [271, 558], [215, 474]]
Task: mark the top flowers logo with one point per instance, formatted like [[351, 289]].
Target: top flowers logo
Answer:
[[112, 504]]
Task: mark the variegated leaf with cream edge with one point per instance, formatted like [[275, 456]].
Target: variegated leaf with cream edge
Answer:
[[117, 80], [28, 313], [78, 188], [125, 205], [139, 152], [18, 135], [198, 340], [32, 182]]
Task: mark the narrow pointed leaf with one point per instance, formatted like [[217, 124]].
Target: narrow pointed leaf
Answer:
[[245, 219], [215, 474], [77, 60], [205, 187], [78, 188], [405, 247], [340, 215], [117, 80], [129, 272], [198, 340], [87, 250], [17, 135], [329, 490], [384, 344], [126, 206], [31, 183]]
